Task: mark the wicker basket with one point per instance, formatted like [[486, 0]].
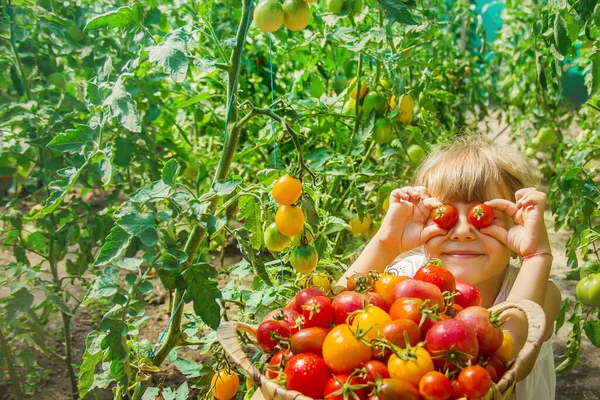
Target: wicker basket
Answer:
[[227, 334]]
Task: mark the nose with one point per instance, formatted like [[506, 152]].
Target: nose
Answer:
[[463, 230]]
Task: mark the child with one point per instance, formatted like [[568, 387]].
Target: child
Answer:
[[470, 171]]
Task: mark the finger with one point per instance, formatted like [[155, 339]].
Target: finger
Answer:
[[414, 193], [519, 193], [432, 202], [399, 194], [532, 198], [422, 191], [431, 231], [497, 232], [503, 205]]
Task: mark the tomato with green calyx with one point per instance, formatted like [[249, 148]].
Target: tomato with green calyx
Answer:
[[451, 343], [546, 136], [486, 326], [468, 295], [375, 369], [435, 386], [361, 282], [275, 240], [343, 351], [296, 14], [433, 272], [271, 332], [383, 131], [304, 258], [309, 237], [588, 290], [405, 111], [481, 216], [308, 374], [416, 154], [224, 384], [374, 101], [277, 362], [268, 15], [399, 330], [286, 190], [317, 280], [289, 220], [371, 321], [445, 216], [343, 387], [474, 381], [318, 312], [359, 227], [410, 364]]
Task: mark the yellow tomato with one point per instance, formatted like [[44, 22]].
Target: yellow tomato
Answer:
[[364, 88], [386, 204], [411, 365], [372, 319], [224, 384], [405, 113], [343, 351], [286, 190], [385, 285], [505, 351], [289, 220], [360, 227]]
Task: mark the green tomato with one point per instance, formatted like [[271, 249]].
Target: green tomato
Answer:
[[57, 79], [275, 240], [304, 258], [416, 154], [530, 152], [335, 6], [546, 136], [357, 6], [383, 131], [374, 101], [588, 290], [535, 143], [297, 238]]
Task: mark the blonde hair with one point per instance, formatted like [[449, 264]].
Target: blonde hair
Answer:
[[467, 169]]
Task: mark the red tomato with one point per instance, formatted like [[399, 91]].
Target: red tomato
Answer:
[[407, 308], [308, 374], [361, 282], [435, 386], [453, 310], [492, 371], [270, 333], [399, 330], [498, 366], [453, 340], [377, 300], [344, 387], [375, 369], [317, 311], [385, 285], [343, 351], [344, 304], [432, 272], [474, 381], [277, 362], [395, 389], [489, 334], [309, 340], [456, 393], [481, 216], [282, 314], [304, 295], [421, 290], [468, 295], [444, 216]]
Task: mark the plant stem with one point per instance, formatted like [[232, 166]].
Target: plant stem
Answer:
[[198, 232], [12, 372], [13, 45]]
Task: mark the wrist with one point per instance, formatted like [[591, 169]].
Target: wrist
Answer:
[[393, 249], [537, 254]]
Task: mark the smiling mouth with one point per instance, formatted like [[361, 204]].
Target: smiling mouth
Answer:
[[462, 255]]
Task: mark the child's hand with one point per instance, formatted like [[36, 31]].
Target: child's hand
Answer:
[[528, 235], [403, 227]]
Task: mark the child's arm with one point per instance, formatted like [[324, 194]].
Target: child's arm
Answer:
[[402, 229]]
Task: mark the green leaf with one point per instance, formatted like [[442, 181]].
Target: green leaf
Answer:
[[215, 224], [541, 75], [181, 393], [57, 301], [267, 176], [561, 35], [117, 241], [592, 331], [135, 224], [310, 211], [169, 55], [18, 304], [557, 4], [204, 293], [105, 285], [595, 81], [122, 17], [59, 189], [193, 100], [170, 171], [249, 210], [397, 11], [225, 187], [129, 264], [189, 368], [562, 312], [123, 149], [73, 140], [122, 106], [151, 393], [87, 371]]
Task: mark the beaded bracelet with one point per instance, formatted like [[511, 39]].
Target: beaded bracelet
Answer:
[[536, 254]]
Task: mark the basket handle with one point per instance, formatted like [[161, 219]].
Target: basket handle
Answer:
[[227, 335], [536, 320]]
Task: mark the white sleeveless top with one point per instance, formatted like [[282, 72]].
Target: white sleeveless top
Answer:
[[541, 382]]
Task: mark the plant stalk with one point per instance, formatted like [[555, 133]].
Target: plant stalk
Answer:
[[12, 372]]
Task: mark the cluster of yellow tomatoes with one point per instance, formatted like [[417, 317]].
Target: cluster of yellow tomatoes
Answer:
[[269, 15], [288, 228]]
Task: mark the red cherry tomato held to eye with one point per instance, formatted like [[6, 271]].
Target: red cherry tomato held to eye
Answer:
[[435, 386], [474, 381], [308, 374], [444, 216], [481, 216]]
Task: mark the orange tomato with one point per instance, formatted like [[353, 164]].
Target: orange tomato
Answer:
[[505, 351], [287, 190], [289, 220], [411, 365], [385, 286], [224, 384]]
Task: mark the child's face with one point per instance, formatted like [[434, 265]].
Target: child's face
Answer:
[[490, 257]]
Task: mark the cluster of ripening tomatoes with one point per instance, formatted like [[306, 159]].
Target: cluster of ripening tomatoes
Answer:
[[387, 337], [288, 227], [269, 15]]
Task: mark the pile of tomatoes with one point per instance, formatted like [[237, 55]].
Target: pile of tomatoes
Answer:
[[387, 337]]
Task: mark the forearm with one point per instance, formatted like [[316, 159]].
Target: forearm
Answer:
[[375, 256], [532, 280]]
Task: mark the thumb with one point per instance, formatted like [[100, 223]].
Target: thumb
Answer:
[[497, 232]]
